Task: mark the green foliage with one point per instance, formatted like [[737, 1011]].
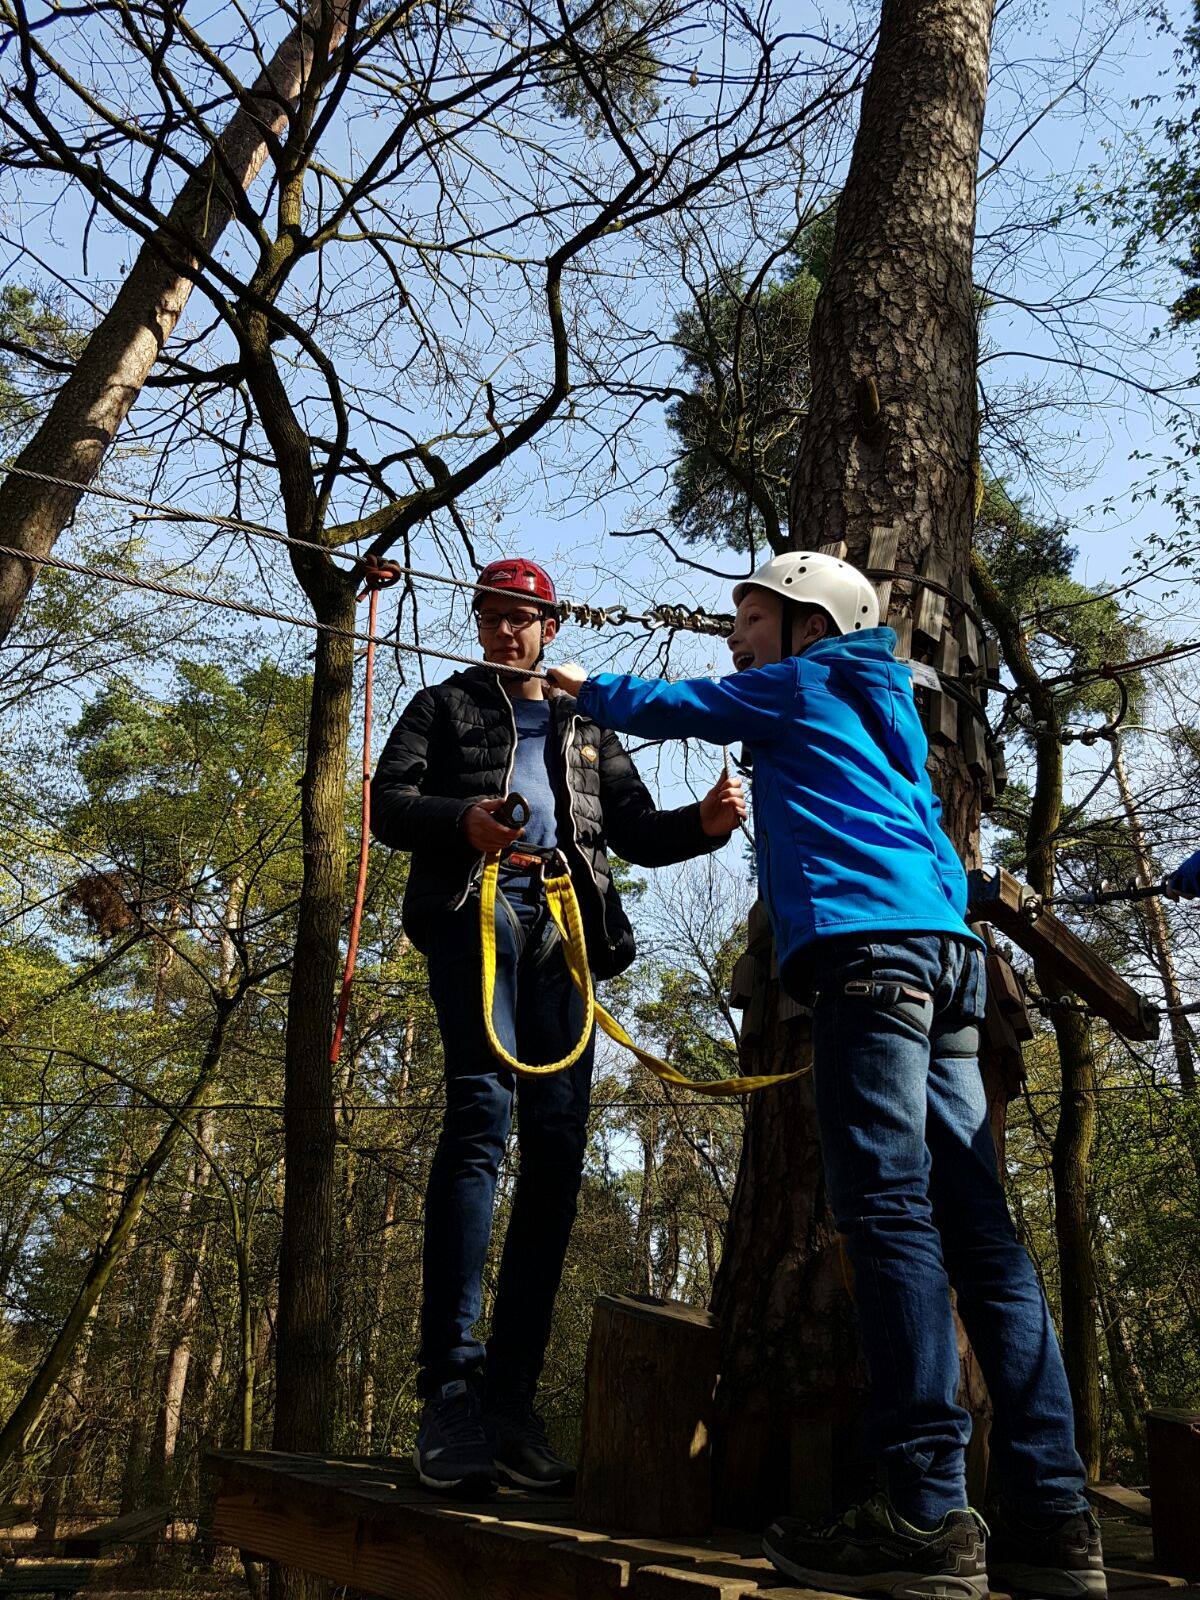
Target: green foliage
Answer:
[[27, 323], [1163, 206], [615, 49]]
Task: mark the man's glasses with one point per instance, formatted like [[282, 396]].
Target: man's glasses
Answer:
[[518, 621]]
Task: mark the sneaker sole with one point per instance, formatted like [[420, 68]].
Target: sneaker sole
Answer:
[[1054, 1583], [519, 1481], [474, 1486], [901, 1585]]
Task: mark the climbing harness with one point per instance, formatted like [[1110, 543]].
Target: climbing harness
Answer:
[[563, 906]]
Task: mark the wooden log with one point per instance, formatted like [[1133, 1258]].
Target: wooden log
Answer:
[[1173, 1453], [135, 1527], [645, 1458], [997, 897]]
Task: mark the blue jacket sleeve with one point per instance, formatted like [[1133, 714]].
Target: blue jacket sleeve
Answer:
[[751, 707], [1185, 880]]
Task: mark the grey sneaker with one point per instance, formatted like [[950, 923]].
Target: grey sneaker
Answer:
[[870, 1549], [1048, 1558], [452, 1453]]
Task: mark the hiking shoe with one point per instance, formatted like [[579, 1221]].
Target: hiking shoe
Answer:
[[1048, 1558], [452, 1452], [870, 1549], [521, 1453]]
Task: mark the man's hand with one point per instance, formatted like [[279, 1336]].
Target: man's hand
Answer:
[[482, 830], [570, 677], [723, 807], [1185, 880]]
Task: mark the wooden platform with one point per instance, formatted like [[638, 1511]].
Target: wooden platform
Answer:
[[369, 1525]]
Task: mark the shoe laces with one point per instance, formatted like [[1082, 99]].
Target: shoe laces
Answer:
[[519, 1417], [457, 1417]]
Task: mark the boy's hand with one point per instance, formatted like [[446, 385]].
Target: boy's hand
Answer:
[[483, 832], [723, 807], [570, 677]]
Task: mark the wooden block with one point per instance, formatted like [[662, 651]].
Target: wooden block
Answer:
[[997, 897], [1004, 986], [999, 765], [973, 743], [835, 548], [991, 660], [903, 631], [793, 1011], [1173, 1453], [741, 982], [930, 611], [946, 656], [881, 557], [940, 717], [1114, 1497], [645, 1459]]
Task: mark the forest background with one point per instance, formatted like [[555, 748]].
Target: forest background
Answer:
[[155, 746]]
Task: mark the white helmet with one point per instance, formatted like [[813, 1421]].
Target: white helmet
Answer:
[[813, 579]]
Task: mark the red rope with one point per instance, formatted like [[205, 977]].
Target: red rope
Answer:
[[377, 575]]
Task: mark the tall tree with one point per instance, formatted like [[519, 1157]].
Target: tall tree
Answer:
[[889, 441]]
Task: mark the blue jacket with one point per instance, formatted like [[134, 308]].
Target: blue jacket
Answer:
[[846, 821]]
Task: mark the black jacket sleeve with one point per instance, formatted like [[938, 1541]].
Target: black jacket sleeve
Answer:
[[401, 816], [634, 826]]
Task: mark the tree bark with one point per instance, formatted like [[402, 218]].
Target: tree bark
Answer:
[[889, 440], [306, 1340], [91, 405]]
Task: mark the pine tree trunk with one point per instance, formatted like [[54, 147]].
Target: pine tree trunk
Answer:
[[306, 1340], [890, 441], [91, 405]]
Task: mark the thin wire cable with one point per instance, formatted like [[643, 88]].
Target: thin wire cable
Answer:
[[177, 592], [665, 616]]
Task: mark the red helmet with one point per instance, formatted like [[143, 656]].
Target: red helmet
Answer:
[[518, 576]]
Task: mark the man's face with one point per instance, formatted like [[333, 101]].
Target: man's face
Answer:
[[755, 639], [510, 631]]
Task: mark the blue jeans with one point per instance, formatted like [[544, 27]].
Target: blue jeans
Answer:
[[538, 1015], [911, 1173]]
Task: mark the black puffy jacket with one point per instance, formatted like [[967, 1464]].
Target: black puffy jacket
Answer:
[[455, 745]]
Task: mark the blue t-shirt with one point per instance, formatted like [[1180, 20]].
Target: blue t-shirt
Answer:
[[531, 778]]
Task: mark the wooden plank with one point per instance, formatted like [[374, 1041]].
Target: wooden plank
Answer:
[[1173, 1453], [835, 548], [135, 1527], [390, 1557], [881, 557], [1114, 1497], [999, 898], [669, 1583], [929, 614], [45, 1577], [741, 981]]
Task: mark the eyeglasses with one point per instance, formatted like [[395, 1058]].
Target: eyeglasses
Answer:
[[518, 621]]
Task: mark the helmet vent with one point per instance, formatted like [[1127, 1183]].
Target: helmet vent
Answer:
[[789, 579]]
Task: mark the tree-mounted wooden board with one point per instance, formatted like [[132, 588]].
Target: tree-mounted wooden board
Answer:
[[1173, 1460], [997, 897]]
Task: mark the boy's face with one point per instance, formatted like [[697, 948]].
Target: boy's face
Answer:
[[756, 635], [510, 631]]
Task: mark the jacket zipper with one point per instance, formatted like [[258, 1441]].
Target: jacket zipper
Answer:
[[566, 755], [477, 869]]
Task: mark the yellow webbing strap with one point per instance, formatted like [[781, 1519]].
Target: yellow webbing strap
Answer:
[[563, 905]]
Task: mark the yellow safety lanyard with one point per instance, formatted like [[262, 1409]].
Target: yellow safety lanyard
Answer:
[[563, 905]]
